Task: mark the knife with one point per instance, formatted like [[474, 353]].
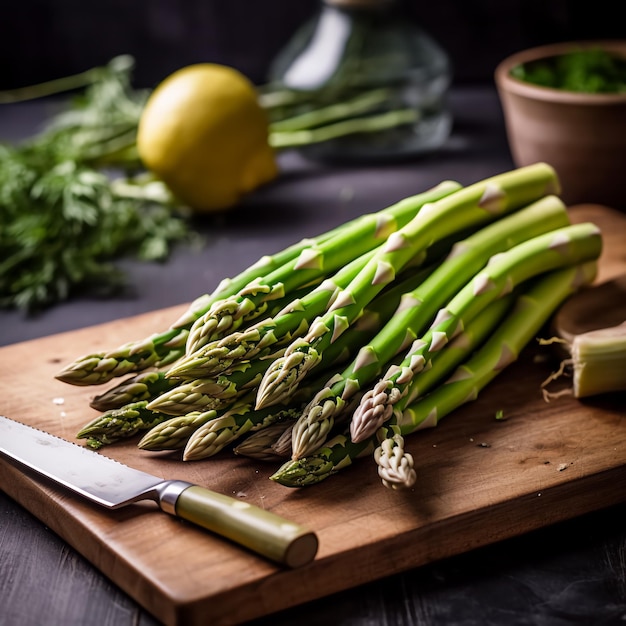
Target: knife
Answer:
[[114, 485]]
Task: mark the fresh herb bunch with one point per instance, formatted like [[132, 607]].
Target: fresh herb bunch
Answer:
[[585, 71], [64, 219]]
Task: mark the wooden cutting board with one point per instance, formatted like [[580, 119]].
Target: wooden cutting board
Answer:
[[480, 480]]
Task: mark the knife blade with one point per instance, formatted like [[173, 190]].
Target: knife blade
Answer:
[[112, 484]]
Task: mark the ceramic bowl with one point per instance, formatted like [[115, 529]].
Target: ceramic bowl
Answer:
[[583, 136]]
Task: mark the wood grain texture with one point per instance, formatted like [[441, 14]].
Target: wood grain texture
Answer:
[[480, 480]]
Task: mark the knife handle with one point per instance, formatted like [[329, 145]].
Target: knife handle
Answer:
[[259, 530]]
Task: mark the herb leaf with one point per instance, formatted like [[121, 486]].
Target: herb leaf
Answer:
[[584, 71], [63, 219]]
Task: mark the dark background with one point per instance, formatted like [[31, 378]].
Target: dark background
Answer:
[[44, 39]]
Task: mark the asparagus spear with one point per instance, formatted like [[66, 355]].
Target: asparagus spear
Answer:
[[203, 394], [266, 264], [342, 450], [472, 206], [562, 247], [599, 361], [596, 363], [261, 338], [532, 309], [260, 444], [473, 335], [419, 307], [119, 424], [282, 446], [213, 436], [395, 464], [142, 386], [442, 363], [318, 260], [336, 454], [174, 432], [157, 350], [163, 348]]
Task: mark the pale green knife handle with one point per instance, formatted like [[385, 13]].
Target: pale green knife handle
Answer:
[[259, 530]]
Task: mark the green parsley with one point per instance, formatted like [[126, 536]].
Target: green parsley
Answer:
[[584, 71], [64, 218]]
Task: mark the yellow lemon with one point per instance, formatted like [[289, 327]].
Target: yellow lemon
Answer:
[[205, 135]]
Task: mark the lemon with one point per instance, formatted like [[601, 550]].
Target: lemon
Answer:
[[205, 135]]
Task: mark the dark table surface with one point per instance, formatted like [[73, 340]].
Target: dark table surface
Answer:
[[571, 573]]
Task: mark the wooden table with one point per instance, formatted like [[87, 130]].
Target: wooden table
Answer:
[[560, 574]]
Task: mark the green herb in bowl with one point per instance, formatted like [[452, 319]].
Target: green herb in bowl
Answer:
[[584, 71]]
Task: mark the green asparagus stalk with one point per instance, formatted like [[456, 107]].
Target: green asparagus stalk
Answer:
[[157, 350], [459, 349], [215, 434], [262, 338], [282, 446], [395, 465], [336, 454], [203, 394], [599, 361], [120, 424], [473, 335], [443, 361], [270, 335], [173, 433], [570, 245], [142, 386], [265, 265], [260, 444], [361, 103], [522, 323], [217, 427], [319, 260], [532, 310], [596, 363], [372, 123], [164, 348], [473, 206], [418, 308], [442, 364]]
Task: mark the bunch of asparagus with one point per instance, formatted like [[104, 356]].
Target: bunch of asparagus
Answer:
[[341, 345]]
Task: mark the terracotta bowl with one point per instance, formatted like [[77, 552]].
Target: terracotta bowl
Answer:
[[583, 136]]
